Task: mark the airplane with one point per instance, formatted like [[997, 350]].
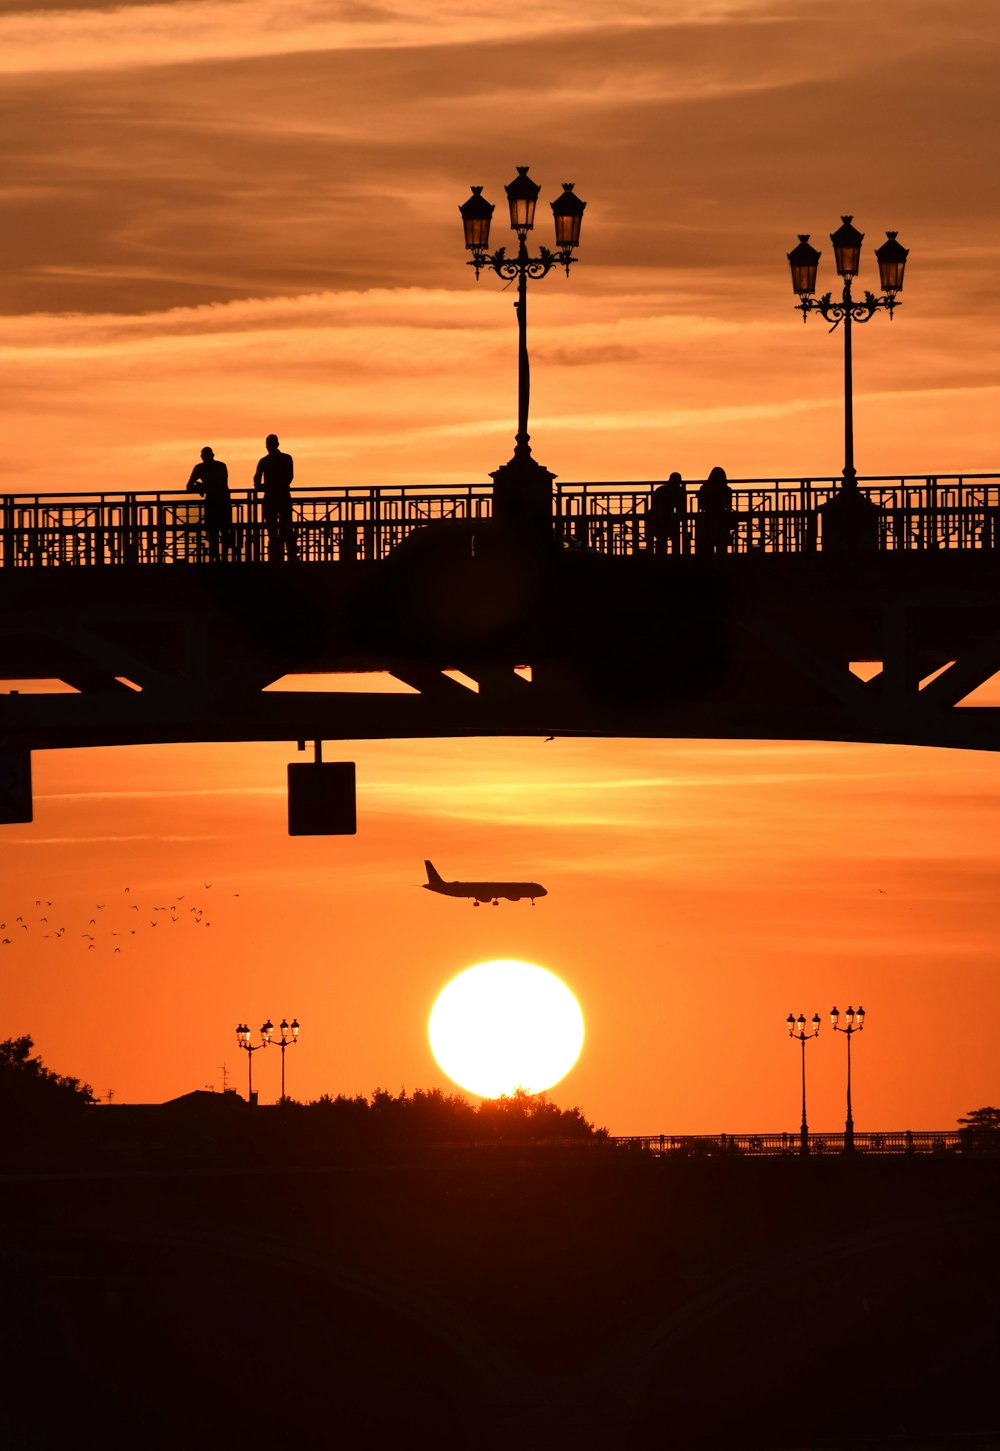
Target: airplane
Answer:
[[482, 891]]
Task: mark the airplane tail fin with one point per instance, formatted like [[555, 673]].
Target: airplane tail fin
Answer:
[[433, 876]]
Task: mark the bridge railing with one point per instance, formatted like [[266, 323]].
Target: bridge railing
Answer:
[[895, 1141], [773, 516]]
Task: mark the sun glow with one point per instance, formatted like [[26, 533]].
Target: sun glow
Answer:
[[505, 1025]]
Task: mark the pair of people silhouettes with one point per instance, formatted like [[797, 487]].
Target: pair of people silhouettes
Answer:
[[713, 522], [273, 476]]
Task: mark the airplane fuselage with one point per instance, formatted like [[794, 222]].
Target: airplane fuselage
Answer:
[[483, 891], [488, 891]]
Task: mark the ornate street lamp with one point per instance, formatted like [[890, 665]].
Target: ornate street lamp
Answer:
[[804, 261], [523, 488], [289, 1034], [797, 1029], [855, 1023], [243, 1039]]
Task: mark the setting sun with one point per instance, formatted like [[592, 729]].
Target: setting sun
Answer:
[[506, 1025]]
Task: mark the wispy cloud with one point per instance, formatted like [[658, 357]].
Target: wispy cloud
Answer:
[[113, 36], [89, 838]]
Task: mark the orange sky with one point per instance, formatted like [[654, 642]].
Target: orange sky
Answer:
[[232, 216]]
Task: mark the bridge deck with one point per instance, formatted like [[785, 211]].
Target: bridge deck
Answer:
[[594, 636]]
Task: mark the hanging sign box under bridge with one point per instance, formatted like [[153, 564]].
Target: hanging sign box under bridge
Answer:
[[321, 798], [15, 787]]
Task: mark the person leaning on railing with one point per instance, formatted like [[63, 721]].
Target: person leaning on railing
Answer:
[[714, 525], [665, 516], [210, 478]]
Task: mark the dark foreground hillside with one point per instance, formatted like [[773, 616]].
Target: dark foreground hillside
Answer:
[[492, 1299]]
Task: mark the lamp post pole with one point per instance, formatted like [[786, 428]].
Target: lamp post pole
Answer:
[[522, 448], [797, 1029], [804, 261], [522, 486], [855, 1023], [243, 1039]]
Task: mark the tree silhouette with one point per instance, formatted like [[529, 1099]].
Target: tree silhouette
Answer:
[[37, 1105], [524, 1117], [980, 1130], [429, 1116]]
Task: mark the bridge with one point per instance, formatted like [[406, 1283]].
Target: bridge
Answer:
[[585, 633]]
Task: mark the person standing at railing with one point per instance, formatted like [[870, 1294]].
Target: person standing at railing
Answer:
[[274, 474], [714, 527], [210, 478], [665, 516]]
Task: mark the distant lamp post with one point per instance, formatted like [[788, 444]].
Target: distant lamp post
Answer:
[[522, 484], [797, 1029], [855, 1023], [289, 1034], [804, 261], [243, 1039]]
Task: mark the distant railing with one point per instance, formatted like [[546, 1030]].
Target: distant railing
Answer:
[[349, 525], [768, 1145]]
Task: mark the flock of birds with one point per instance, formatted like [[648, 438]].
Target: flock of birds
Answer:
[[116, 925]]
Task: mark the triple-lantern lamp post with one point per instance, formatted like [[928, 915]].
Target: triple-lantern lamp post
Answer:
[[797, 1029], [855, 1023], [804, 261], [289, 1034], [567, 214]]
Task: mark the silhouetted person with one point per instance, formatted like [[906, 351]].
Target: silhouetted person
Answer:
[[715, 514], [850, 521], [274, 475], [665, 516], [210, 478]]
